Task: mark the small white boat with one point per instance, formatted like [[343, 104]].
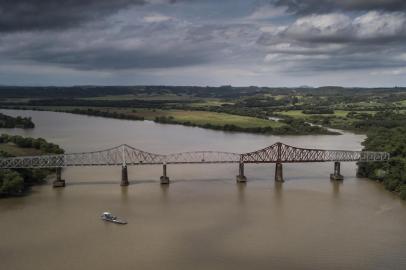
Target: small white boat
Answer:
[[106, 216]]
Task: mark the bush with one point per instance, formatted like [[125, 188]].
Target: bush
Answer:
[[7, 121], [11, 182]]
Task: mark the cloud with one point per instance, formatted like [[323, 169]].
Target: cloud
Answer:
[[378, 25], [328, 6], [337, 41], [138, 40], [24, 15], [156, 18], [339, 28], [336, 27], [393, 72], [267, 12], [116, 52], [330, 27]]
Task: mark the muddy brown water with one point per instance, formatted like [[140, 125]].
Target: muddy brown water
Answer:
[[203, 220]]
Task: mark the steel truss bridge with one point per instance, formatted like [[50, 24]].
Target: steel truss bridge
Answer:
[[125, 155]]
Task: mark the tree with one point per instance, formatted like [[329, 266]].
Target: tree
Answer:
[[11, 182]]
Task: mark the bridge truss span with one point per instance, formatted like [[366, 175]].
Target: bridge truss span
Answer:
[[283, 153], [127, 155]]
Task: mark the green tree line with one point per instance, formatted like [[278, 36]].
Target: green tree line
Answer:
[[393, 173]]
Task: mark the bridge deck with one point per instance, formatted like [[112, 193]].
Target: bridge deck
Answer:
[[127, 155]]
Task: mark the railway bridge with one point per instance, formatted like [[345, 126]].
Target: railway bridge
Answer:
[[125, 155]]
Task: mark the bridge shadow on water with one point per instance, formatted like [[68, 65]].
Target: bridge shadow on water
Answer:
[[117, 183], [225, 180], [147, 181], [277, 187]]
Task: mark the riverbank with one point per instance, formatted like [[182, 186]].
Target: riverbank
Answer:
[[195, 118]]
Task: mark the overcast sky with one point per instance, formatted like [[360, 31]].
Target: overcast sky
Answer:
[[203, 42]]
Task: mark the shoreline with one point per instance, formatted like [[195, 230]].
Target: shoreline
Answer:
[[279, 131]]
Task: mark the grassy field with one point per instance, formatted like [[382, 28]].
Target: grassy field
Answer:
[[300, 114], [337, 113], [14, 150], [210, 103], [203, 117], [115, 98], [401, 103], [361, 105]]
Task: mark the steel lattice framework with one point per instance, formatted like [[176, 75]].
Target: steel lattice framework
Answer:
[[127, 155]]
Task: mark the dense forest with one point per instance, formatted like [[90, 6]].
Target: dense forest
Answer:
[[384, 135], [393, 173], [16, 182]]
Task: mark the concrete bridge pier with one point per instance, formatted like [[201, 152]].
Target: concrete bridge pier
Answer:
[[58, 182], [241, 177], [279, 172], [164, 177], [124, 176], [337, 174]]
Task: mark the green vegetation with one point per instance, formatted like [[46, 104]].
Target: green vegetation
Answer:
[[217, 119], [27, 143], [7, 121], [244, 124], [16, 182], [320, 110], [13, 150], [393, 173], [385, 132], [335, 107]]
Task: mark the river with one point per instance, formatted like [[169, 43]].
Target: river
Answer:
[[203, 220]]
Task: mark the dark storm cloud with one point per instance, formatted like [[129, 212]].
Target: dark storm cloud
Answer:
[[136, 45], [117, 59], [326, 6], [17, 15]]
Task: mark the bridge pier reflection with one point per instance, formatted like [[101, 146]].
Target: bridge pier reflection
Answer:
[[164, 177], [58, 182], [279, 172], [124, 176], [337, 174], [241, 177]]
